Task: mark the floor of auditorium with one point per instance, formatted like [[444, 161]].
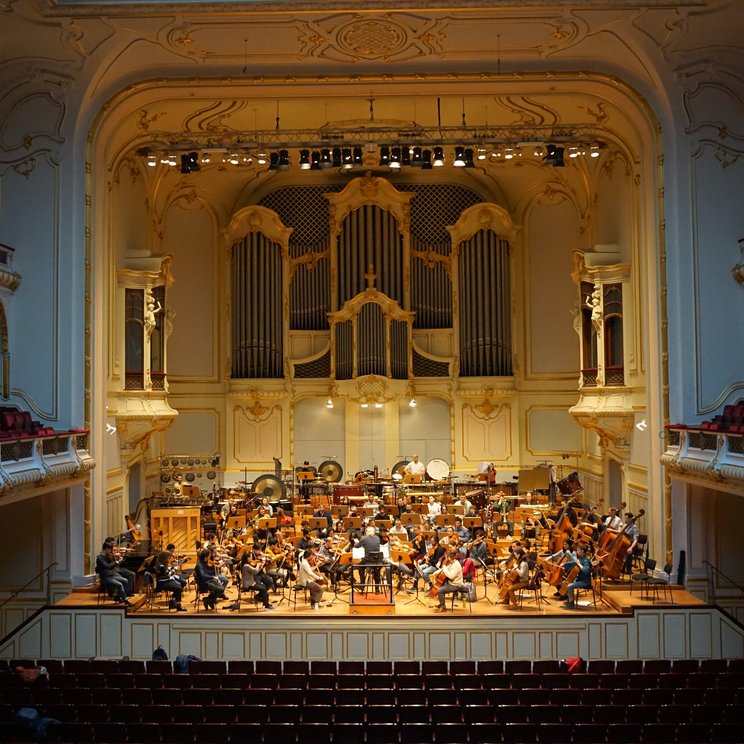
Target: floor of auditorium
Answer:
[[616, 598]]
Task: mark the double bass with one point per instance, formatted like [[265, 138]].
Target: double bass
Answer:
[[617, 550]]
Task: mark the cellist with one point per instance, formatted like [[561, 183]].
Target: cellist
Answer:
[[452, 580], [516, 578]]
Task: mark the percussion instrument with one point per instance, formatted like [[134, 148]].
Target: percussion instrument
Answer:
[[437, 469], [398, 469], [268, 486], [330, 471], [570, 484]]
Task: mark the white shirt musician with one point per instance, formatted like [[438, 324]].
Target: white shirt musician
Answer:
[[434, 507], [453, 580], [311, 579], [415, 469], [612, 521], [399, 529], [465, 504]]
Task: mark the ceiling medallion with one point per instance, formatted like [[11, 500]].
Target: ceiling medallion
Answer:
[[372, 39]]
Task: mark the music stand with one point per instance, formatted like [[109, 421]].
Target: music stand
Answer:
[[418, 575], [343, 559], [408, 519], [352, 523], [318, 523], [471, 522], [487, 574], [445, 520]]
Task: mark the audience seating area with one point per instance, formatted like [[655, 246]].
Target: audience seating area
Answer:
[[731, 421], [381, 701], [16, 424]]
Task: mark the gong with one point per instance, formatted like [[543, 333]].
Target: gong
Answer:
[[268, 486], [331, 471]]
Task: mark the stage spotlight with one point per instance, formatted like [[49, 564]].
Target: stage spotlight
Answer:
[[283, 160], [358, 156], [346, 158], [459, 161], [438, 157], [469, 158], [554, 156], [315, 160], [384, 155], [274, 161], [426, 163], [325, 159], [304, 159], [395, 158]]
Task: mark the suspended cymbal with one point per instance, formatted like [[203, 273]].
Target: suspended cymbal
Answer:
[[330, 471], [268, 486]]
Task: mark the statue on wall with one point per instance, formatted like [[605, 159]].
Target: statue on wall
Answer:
[[150, 313]]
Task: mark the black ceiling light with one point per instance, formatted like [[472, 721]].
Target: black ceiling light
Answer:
[[346, 158], [395, 157], [385, 155], [357, 156], [469, 158], [325, 158], [304, 159], [283, 160], [274, 161], [190, 162], [417, 159], [438, 157], [459, 161], [336, 155], [315, 160], [554, 156], [426, 163]]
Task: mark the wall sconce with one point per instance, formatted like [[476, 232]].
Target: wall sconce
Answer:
[[329, 403], [738, 270], [412, 403]]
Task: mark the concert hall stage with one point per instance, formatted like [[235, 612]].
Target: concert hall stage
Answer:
[[77, 626]]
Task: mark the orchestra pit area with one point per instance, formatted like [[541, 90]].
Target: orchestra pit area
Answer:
[[380, 702], [408, 545]]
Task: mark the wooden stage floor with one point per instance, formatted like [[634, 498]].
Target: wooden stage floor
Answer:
[[617, 598]]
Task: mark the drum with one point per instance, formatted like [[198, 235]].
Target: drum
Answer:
[[397, 470], [570, 485], [437, 469]]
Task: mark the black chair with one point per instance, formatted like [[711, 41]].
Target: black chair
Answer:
[[660, 585], [642, 577]]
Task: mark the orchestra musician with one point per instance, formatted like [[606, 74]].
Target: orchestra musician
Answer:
[[502, 507], [310, 578], [465, 503], [478, 549], [167, 580], [125, 573], [323, 513], [205, 575], [111, 580], [517, 577], [584, 578], [434, 508], [251, 569], [451, 573], [415, 470], [305, 471], [431, 561], [462, 532], [398, 530]]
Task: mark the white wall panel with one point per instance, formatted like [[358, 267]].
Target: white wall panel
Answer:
[[675, 638]]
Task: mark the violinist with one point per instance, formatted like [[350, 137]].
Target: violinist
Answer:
[[306, 541], [477, 548], [108, 575], [251, 569], [278, 559], [206, 579], [167, 580], [431, 563], [584, 578], [310, 578], [451, 573]]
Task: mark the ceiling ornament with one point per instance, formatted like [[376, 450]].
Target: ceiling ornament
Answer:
[[347, 38]]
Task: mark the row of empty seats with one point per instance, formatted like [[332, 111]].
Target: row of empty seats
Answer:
[[385, 733], [294, 667], [489, 701], [731, 421]]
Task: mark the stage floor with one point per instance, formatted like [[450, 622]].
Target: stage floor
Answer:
[[617, 600]]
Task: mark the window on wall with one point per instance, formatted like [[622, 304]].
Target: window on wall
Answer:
[[613, 334], [588, 338], [134, 339], [157, 341]]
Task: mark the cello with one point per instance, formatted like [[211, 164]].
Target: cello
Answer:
[[617, 551]]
